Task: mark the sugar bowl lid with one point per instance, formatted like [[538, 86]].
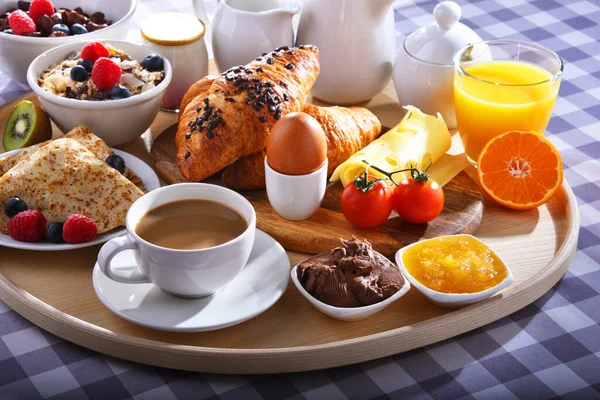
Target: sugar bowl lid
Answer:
[[438, 41]]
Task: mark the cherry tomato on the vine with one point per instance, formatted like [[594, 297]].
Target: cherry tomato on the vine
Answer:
[[418, 202], [367, 202]]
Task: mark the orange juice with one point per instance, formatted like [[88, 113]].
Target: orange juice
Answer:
[[498, 96]]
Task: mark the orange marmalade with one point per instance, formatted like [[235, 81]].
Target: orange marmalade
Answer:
[[454, 264]]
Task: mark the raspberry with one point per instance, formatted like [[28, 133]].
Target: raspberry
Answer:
[[106, 73], [79, 229], [20, 23], [27, 226], [93, 51], [37, 8]]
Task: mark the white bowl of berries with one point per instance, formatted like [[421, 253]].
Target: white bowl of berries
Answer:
[[114, 88], [57, 22]]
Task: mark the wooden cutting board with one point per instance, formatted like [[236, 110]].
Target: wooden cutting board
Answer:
[[463, 209]]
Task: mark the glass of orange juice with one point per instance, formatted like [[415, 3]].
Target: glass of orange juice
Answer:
[[502, 85]]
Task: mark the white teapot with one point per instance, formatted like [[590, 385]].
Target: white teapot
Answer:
[[424, 68], [356, 44]]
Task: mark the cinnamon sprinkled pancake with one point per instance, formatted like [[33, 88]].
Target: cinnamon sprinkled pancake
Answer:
[[80, 133], [63, 178]]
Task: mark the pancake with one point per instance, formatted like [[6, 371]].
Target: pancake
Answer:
[[62, 178], [82, 135]]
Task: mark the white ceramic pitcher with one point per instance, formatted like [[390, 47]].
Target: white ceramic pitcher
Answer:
[[356, 44], [243, 30]]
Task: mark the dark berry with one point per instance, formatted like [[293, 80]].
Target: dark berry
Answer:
[[78, 29], [152, 62], [119, 92], [87, 64], [13, 206], [7, 31], [116, 162], [79, 73], [60, 28], [54, 232], [23, 5]]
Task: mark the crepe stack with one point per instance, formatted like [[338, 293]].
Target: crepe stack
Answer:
[[62, 178], [82, 135]]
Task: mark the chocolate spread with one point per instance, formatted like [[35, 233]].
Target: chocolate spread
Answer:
[[351, 275]]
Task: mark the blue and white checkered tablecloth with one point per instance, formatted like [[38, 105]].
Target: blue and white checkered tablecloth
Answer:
[[550, 349]]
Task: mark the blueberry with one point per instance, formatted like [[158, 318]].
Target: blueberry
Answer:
[[61, 28], [78, 29], [87, 64], [116, 162], [7, 31], [79, 73], [152, 62], [13, 206], [54, 232], [119, 92]]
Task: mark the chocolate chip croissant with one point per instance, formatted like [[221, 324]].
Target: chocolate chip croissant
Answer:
[[231, 116]]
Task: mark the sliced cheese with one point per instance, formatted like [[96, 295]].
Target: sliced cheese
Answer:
[[416, 140], [447, 167]]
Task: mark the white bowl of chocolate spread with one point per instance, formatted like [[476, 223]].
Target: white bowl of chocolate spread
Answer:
[[351, 282]]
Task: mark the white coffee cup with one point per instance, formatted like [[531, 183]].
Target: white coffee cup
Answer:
[[296, 197], [187, 273]]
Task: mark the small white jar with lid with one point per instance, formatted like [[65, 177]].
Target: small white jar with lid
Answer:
[[180, 38], [424, 67]]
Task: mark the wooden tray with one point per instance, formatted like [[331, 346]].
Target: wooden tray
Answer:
[[54, 291], [463, 209]]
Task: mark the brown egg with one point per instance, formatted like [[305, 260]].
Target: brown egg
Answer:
[[296, 145]]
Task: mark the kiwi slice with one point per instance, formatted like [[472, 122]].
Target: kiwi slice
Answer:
[[28, 124]]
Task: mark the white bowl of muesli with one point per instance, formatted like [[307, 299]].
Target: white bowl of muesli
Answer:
[[112, 87], [109, 20]]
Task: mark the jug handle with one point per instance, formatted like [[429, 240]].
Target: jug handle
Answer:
[[200, 11], [289, 7]]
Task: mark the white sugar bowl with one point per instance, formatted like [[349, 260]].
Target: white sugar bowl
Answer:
[[424, 68]]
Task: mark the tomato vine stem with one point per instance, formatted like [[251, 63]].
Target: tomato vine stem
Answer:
[[415, 173]]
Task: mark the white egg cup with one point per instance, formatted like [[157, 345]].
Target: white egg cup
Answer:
[[296, 197], [453, 300]]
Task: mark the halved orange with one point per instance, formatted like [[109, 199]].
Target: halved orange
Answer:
[[520, 169]]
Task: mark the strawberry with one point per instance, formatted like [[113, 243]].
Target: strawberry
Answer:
[[93, 51], [106, 73], [37, 8], [79, 229], [20, 23], [27, 226]]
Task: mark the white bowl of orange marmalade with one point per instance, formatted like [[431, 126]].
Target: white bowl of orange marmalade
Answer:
[[454, 271]]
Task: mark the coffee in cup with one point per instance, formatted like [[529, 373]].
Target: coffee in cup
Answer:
[[191, 225]]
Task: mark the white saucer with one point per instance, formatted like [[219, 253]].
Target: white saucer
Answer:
[[141, 169], [257, 287]]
